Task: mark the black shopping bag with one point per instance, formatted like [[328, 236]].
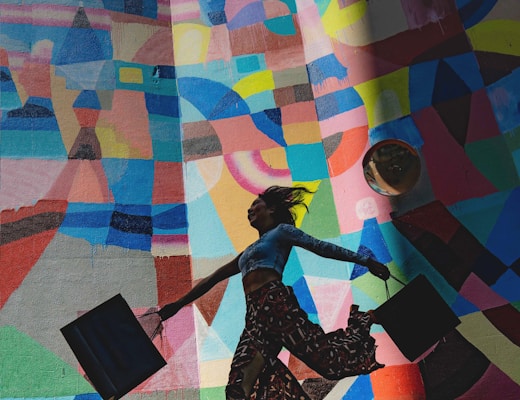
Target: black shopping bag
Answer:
[[416, 317], [112, 348]]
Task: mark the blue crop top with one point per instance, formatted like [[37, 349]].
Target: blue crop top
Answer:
[[273, 248]]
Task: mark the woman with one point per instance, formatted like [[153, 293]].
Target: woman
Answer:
[[274, 318]]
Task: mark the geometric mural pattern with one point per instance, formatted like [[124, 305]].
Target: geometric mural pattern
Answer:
[[135, 134]]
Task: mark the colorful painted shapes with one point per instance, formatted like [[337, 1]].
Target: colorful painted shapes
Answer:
[[453, 368], [448, 245], [80, 37], [131, 227], [10, 98], [452, 175], [162, 105], [386, 97], [190, 43], [495, 66], [86, 146], [321, 220], [174, 276], [87, 221], [505, 97], [473, 11], [249, 14], [506, 227], [300, 157], [270, 123], [170, 245], [31, 229], [165, 133], [218, 102], [169, 218], [36, 176], [498, 36], [502, 171], [253, 173], [32, 131], [45, 375], [338, 102], [397, 381], [344, 149], [326, 67], [506, 319], [123, 174], [283, 25], [479, 329], [403, 129], [168, 183]]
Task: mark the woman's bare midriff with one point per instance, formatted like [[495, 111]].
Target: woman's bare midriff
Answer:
[[258, 278]]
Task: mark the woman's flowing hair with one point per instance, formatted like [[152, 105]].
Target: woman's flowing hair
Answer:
[[284, 199]]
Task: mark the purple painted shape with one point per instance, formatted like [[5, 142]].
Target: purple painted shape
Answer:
[[249, 15], [493, 384], [480, 294]]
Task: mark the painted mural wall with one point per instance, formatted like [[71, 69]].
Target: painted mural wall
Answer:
[[135, 134]]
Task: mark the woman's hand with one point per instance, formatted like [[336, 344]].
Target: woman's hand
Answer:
[[169, 310], [378, 269], [151, 323]]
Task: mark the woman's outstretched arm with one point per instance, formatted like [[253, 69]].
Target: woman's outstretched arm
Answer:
[[201, 288], [330, 250]]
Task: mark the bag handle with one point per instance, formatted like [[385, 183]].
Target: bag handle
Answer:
[[386, 285]]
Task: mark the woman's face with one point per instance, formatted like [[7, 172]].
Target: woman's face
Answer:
[[259, 215]]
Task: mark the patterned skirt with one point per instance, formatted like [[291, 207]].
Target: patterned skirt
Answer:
[[274, 319]]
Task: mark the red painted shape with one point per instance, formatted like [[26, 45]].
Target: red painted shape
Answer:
[[168, 183], [87, 117], [174, 278], [482, 121], [17, 259], [434, 218], [19, 256], [506, 319], [452, 174]]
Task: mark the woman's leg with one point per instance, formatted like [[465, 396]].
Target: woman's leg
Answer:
[[246, 367], [256, 372], [261, 380], [334, 355]]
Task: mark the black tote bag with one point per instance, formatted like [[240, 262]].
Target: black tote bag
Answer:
[[112, 348], [416, 317]]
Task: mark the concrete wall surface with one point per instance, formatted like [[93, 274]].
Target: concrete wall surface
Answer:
[[134, 135]]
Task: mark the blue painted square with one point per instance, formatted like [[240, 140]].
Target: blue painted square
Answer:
[[307, 162], [217, 17], [247, 64], [403, 129], [131, 181], [162, 105]]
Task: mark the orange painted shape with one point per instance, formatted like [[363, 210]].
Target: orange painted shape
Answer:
[[209, 304], [89, 184], [304, 111], [36, 79], [87, 117], [241, 134], [349, 151], [398, 382]]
